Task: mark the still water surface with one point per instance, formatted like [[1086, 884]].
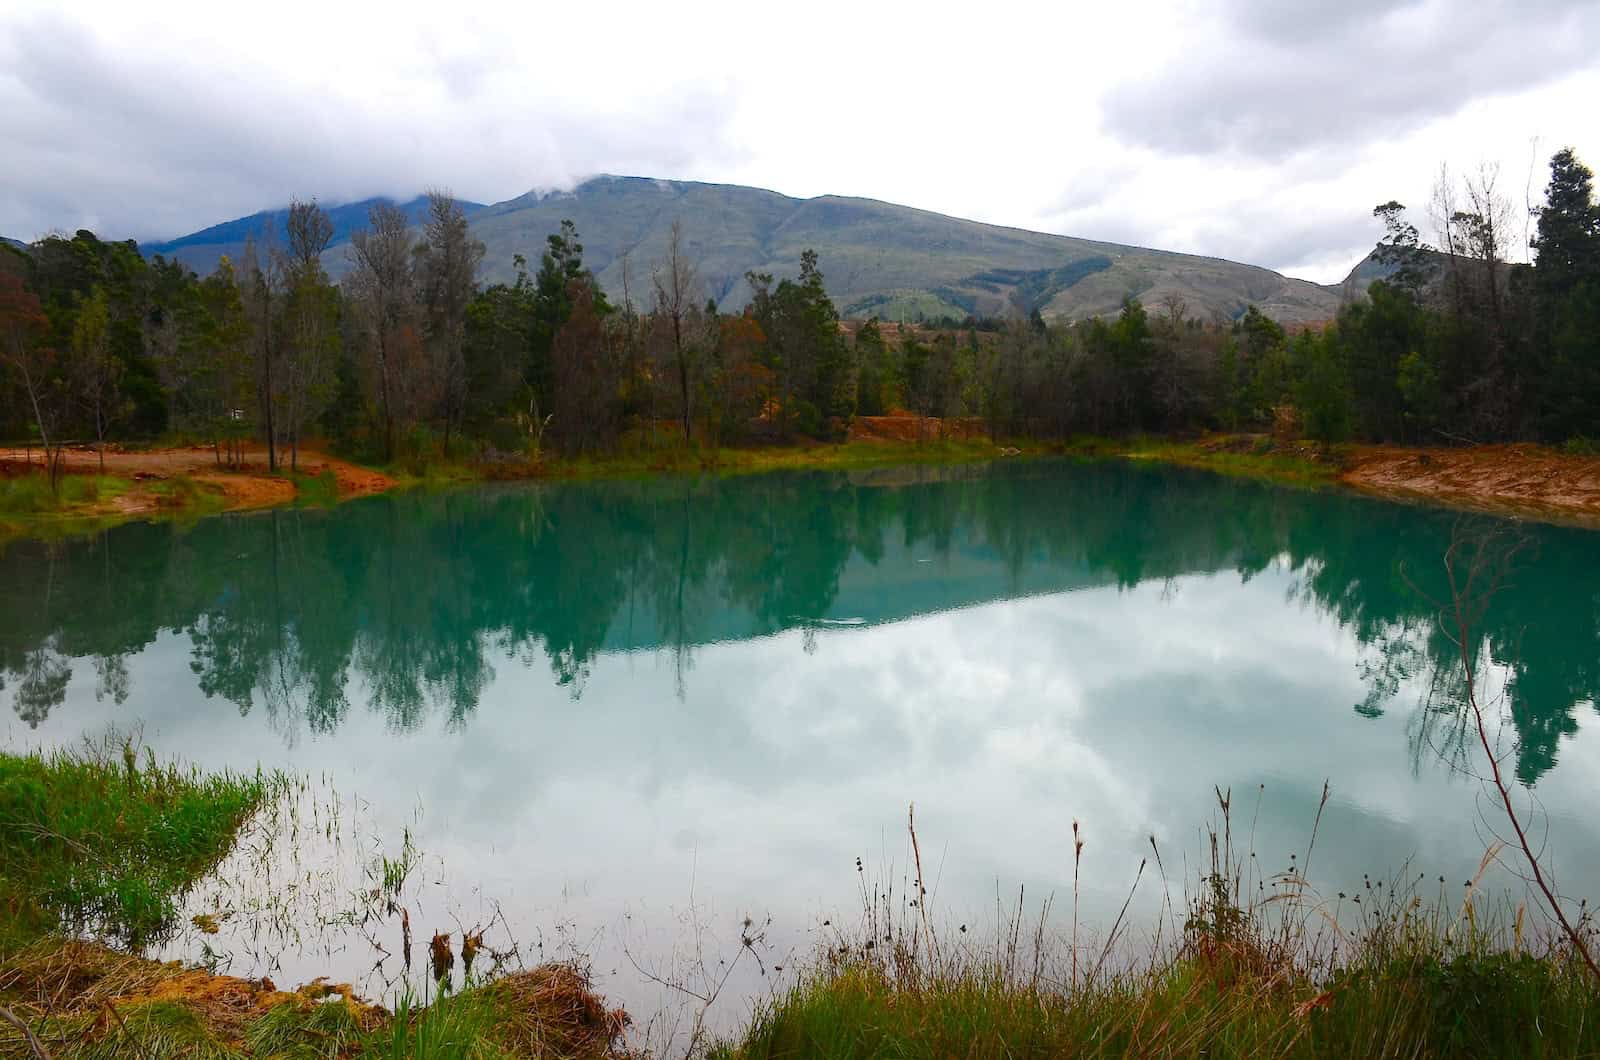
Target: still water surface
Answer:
[[629, 714]]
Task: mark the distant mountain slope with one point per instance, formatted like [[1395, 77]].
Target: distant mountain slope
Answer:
[[201, 250], [877, 258], [1370, 269]]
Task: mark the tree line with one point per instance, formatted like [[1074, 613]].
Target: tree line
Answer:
[[1452, 344], [409, 357]]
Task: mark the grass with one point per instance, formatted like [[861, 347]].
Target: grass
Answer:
[[184, 496], [1301, 463], [840, 456], [1494, 1005], [104, 843], [30, 494], [1254, 456], [87, 503], [1253, 964], [315, 491], [638, 459], [84, 1002]]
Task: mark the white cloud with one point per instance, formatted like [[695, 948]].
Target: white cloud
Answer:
[[1240, 131]]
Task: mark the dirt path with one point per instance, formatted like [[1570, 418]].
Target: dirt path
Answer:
[[247, 486], [1525, 480]]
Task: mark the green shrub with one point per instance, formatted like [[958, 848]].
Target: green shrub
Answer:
[[1579, 445]]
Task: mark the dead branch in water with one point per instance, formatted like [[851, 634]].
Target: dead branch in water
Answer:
[[1471, 588]]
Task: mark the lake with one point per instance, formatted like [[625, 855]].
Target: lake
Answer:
[[618, 718]]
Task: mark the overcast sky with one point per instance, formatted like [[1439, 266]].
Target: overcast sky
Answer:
[[1258, 130]]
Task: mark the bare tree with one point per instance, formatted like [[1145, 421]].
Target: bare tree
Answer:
[[447, 267], [677, 284], [1473, 228], [381, 286]]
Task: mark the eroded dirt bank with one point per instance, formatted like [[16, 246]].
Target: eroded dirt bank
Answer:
[[249, 485], [1523, 480]]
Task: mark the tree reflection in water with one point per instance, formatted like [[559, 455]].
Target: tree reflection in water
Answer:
[[404, 604]]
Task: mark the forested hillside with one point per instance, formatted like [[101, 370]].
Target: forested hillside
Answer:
[[410, 357]]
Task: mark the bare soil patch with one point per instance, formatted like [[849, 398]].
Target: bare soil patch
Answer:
[[249, 485], [1514, 479], [904, 427]]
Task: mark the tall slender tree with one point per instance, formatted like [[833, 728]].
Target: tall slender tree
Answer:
[[310, 325], [381, 286], [95, 372], [447, 273], [677, 287]]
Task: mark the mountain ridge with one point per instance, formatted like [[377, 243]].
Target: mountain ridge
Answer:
[[878, 258], [201, 250]]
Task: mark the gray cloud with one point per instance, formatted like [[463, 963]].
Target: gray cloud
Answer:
[[119, 140], [1281, 78]]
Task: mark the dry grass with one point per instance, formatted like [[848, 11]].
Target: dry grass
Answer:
[[83, 1000]]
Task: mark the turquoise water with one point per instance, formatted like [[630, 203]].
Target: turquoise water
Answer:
[[626, 714]]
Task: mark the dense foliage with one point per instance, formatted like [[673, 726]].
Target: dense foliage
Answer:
[[408, 356]]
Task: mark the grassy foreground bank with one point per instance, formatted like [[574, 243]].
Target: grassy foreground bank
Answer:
[[1251, 964], [1221, 1001], [103, 844]]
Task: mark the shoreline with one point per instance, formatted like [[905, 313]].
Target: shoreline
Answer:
[[1414, 970], [1513, 480]]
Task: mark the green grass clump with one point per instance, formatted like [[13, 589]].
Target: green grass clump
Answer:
[[103, 843], [188, 497], [643, 460], [1480, 1005], [551, 1011], [31, 494], [320, 490], [156, 1030], [1247, 456], [307, 1032]]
